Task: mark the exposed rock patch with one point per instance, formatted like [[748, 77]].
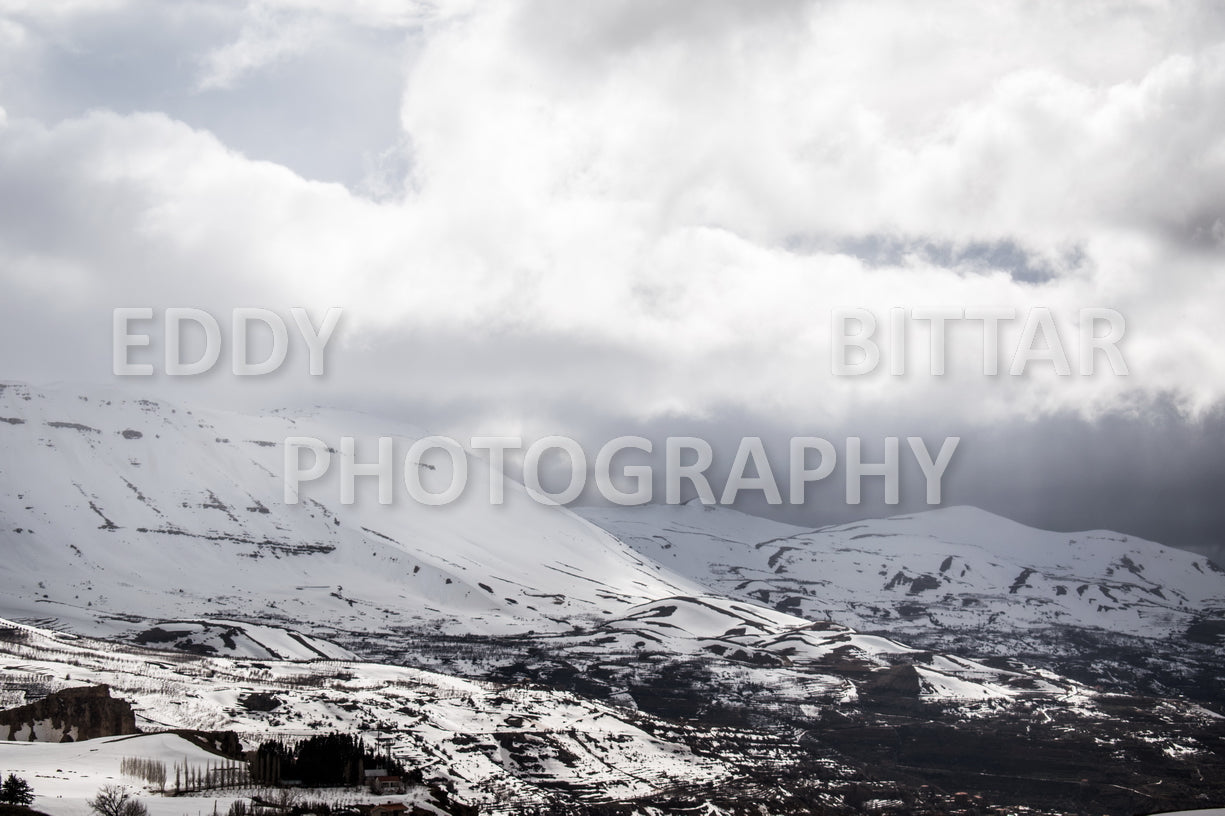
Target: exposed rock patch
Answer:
[[72, 714]]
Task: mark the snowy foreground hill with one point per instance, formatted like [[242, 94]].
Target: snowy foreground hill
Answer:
[[522, 657], [491, 743]]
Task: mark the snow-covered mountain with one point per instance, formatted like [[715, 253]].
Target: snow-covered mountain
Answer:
[[115, 509], [168, 526], [692, 653], [954, 578], [956, 567]]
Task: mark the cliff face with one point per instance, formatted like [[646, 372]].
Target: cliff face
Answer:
[[71, 714]]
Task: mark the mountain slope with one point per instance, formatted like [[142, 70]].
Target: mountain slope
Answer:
[[112, 506]]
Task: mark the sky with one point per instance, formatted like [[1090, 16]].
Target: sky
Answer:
[[640, 218]]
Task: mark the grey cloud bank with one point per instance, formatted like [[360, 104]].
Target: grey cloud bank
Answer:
[[543, 218]]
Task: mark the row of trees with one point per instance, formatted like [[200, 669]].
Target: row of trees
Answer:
[[187, 777], [228, 774], [321, 760], [152, 771]]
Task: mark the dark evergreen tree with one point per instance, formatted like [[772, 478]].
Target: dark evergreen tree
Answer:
[[16, 791]]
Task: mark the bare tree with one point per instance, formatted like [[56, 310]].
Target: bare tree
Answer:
[[115, 801]]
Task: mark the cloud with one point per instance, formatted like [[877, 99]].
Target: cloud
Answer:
[[629, 213], [60, 10], [273, 31], [263, 41]]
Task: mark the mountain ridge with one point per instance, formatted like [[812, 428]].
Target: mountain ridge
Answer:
[[965, 581]]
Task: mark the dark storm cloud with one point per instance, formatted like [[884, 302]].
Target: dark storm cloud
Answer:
[[1155, 476], [1147, 470]]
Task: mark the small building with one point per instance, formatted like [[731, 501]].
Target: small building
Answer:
[[390, 809], [387, 785]]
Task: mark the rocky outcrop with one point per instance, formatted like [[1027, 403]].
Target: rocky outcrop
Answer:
[[899, 681], [72, 714]]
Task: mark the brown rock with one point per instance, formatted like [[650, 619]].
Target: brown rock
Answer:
[[91, 710]]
